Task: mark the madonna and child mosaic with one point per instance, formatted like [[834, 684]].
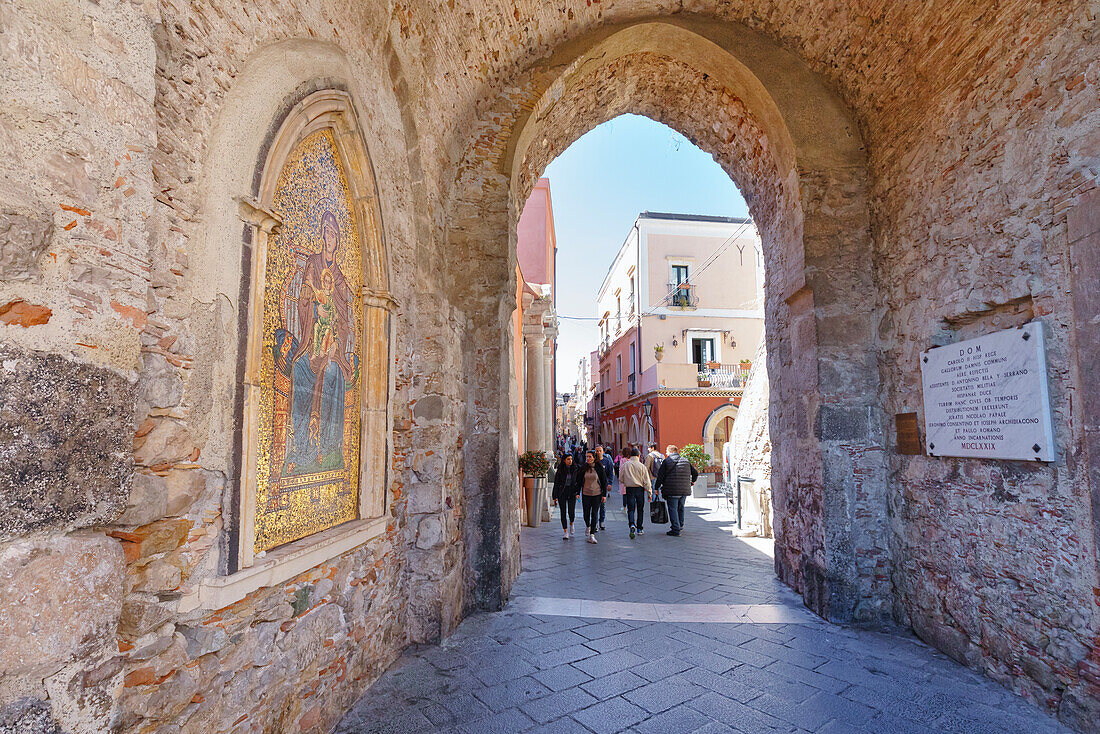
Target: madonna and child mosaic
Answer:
[[308, 444]]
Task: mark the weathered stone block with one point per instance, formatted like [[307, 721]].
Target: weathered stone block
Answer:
[[28, 716], [157, 537], [841, 423], [22, 241], [60, 599], [169, 441], [65, 442]]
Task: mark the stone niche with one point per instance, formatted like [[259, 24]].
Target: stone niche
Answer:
[[66, 433]]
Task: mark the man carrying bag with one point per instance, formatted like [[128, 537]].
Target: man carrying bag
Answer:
[[674, 480]]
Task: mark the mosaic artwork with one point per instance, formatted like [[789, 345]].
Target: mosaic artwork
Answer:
[[308, 444]]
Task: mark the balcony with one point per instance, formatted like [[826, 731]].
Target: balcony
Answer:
[[672, 376], [631, 384], [682, 295], [723, 376]]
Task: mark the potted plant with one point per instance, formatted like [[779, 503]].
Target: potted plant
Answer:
[[746, 365], [534, 465], [659, 352], [713, 365], [700, 459]]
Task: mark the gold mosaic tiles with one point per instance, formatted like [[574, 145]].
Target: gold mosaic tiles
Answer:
[[309, 415]]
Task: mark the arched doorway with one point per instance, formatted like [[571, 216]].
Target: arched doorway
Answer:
[[718, 430], [787, 142]]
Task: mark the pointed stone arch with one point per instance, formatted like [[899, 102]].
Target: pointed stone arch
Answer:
[[794, 150]]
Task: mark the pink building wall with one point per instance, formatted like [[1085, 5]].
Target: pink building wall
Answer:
[[535, 236]]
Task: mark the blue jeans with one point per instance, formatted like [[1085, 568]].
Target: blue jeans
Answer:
[[676, 511], [635, 501]]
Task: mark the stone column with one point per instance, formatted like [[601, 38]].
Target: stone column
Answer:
[[548, 390], [534, 397]]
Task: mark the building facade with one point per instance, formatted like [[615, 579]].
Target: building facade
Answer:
[[534, 326], [681, 316]]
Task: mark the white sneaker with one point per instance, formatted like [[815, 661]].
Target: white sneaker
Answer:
[[592, 539], [587, 531], [565, 535], [572, 532]]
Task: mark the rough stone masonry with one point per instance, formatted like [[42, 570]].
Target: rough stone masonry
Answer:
[[921, 173]]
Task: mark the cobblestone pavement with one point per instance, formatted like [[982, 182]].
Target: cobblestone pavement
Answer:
[[614, 637]]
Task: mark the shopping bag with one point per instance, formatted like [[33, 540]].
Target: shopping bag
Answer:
[[658, 513]]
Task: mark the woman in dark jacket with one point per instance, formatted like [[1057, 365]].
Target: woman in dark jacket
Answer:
[[592, 485], [565, 492]]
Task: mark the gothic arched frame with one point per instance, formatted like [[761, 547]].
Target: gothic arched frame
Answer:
[[330, 109]]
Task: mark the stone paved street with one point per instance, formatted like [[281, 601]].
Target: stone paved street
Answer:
[[615, 637]]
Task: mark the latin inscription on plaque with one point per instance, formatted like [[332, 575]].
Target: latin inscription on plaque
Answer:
[[988, 397]]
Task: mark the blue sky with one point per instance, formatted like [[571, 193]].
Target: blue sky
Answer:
[[597, 187]]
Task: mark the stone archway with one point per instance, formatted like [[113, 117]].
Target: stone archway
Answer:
[[792, 148], [717, 430]]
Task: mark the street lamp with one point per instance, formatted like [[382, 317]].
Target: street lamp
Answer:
[[647, 410]]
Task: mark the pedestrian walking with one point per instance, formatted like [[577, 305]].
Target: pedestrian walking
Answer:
[[603, 456], [674, 480], [653, 463], [635, 478], [565, 493], [593, 486]]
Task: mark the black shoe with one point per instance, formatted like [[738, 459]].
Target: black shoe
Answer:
[[602, 527], [673, 532]]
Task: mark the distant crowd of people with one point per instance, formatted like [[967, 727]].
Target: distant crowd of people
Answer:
[[591, 473]]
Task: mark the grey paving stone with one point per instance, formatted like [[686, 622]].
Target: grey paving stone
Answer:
[[661, 669], [682, 720], [491, 672], [561, 677], [570, 675], [841, 709], [512, 693], [663, 695], [607, 663], [557, 705], [819, 681], [561, 726], [511, 721], [726, 685], [736, 714], [614, 684], [610, 716]]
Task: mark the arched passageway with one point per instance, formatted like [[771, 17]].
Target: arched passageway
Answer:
[[795, 153], [922, 173]]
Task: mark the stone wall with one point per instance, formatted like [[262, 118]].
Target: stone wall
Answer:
[[751, 455]]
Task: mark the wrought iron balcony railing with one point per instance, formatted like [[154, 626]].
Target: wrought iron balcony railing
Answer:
[[682, 295]]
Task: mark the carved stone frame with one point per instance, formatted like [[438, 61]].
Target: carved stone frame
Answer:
[[325, 109]]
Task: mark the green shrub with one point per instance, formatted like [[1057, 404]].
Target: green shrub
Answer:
[[534, 463], [694, 453]]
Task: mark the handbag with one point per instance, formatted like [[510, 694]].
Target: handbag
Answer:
[[658, 512]]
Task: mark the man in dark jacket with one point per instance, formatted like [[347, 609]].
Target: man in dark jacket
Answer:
[[674, 480], [604, 459]]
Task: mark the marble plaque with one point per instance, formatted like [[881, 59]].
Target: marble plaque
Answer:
[[988, 397]]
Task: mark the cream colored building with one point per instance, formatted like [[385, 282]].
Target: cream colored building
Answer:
[[692, 286]]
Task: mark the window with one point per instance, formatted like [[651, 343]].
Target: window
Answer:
[[679, 274], [633, 358], [702, 351], [619, 367]]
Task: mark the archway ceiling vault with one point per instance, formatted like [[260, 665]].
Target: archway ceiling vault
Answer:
[[884, 59]]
